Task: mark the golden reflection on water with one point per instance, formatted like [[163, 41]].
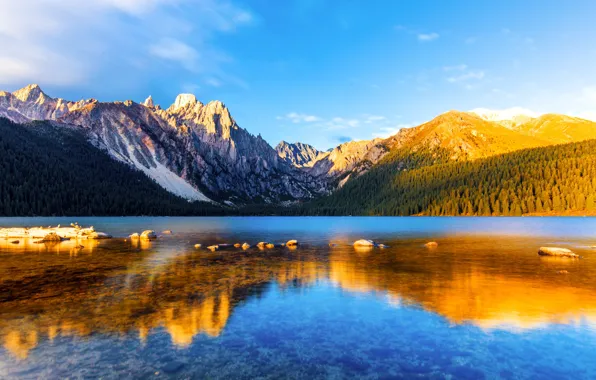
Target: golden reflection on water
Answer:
[[123, 287]]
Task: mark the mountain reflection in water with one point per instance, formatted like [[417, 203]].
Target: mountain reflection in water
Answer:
[[124, 289]]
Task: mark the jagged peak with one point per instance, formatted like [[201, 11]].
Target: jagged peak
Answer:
[[183, 100], [30, 92], [149, 102], [216, 104]]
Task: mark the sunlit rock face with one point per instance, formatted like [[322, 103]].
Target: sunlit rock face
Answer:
[[353, 156], [194, 150], [336, 165], [31, 103]]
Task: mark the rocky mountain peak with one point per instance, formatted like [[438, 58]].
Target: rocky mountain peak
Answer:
[[149, 102], [298, 154], [30, 93], [183, 100]]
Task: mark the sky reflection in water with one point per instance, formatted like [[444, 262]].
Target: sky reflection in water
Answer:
[[482, 304]]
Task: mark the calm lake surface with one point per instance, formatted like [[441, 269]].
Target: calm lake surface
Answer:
[[482, 304]]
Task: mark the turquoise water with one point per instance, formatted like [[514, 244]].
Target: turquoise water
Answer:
[[482, 304]]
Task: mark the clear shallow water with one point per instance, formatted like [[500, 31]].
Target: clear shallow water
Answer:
[[481, 305]]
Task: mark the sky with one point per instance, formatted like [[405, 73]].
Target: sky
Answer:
[[317, 71]]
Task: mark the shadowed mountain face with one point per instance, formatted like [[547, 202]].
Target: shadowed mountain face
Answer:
[[299, 154], [194, 150]]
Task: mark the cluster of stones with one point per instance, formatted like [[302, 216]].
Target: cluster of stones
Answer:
[[145, 235], [244, 246], [52, 234]]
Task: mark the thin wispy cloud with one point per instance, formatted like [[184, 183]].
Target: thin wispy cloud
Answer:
[[427, 37], [460, 67], [377, 125], [174, 50], [466, 76], [420, 36], [297, 118], [213, 82]]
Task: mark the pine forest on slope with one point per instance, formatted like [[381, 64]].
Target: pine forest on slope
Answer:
[[197, 152]]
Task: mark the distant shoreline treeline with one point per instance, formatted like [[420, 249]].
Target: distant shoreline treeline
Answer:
[[53, 171]]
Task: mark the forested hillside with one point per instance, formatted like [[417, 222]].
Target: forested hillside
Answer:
[[557, 179], [50, 170]]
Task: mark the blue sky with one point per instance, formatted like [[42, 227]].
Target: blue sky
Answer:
[[316, 71]]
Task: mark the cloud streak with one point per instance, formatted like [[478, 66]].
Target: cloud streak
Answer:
[[69, 42], [378, 125], [427, 37]]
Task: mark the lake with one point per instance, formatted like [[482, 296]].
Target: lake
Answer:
[[482, 304]]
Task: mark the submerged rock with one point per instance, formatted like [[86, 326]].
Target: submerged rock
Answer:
[[213, 248], [197, 246], [172, 367], [167, 232], [237, 245], [383, 246], [148, 235], [431, 244], [557, 252], [14, 242], [225, 245]]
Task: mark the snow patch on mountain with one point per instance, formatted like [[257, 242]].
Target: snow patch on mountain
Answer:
[[173, 183], [162, 175]]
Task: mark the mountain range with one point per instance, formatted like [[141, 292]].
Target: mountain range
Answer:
[[198, 152]]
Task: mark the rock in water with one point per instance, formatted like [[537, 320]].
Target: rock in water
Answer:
[[14, 242], [262, 244], [364, 243], [213, 248], [134, 236], [237, 245], [167, 232], [292, 243], [431, 244], [245, 246], [148, 235], [197, 246], [52, 236], [557, 252], [270, 245], [98, 235], [172, 367], [383, 246]]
